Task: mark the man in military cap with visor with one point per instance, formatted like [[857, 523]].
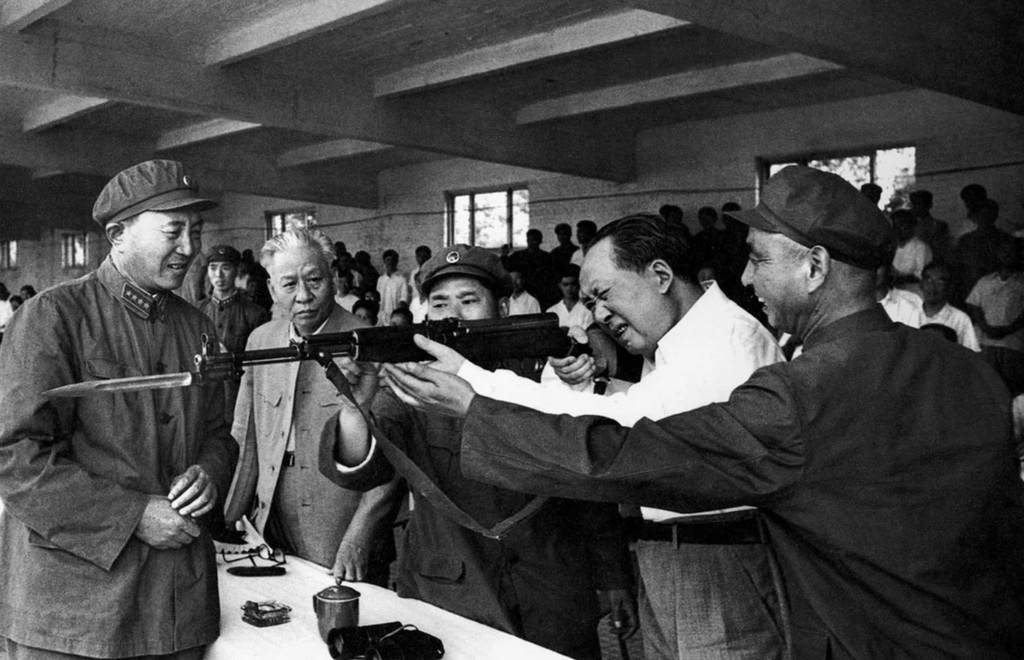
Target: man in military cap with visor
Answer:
[[102, 551]]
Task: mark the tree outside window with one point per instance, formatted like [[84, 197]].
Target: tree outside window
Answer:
[[488, 219], [8, 255], [73, 250], [278, 222], [892, 169]]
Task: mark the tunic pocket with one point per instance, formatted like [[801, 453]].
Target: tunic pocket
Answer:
[[441, 568]]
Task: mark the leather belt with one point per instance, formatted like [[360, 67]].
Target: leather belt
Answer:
[[726, 532], [289, 459]]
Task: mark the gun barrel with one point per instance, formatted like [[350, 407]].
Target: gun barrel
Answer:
[[484, 341]]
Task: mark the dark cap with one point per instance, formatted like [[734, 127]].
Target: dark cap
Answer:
[[468, 261], [818, 208], [155, 185], [224, 253]]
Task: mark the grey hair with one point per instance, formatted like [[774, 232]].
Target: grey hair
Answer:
[[297, 238]]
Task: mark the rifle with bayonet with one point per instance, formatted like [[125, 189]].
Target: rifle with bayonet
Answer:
[[483, 342]]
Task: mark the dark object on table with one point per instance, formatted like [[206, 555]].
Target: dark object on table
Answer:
[[256, 571], [336, 607], [385, 641], [355, 641], [265, 613]]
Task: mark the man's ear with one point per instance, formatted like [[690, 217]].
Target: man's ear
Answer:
[[502, 307], [114, 232], [662, 273], [819, 264]]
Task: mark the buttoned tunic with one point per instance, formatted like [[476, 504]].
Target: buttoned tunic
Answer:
[[76, 474], [881, 459]]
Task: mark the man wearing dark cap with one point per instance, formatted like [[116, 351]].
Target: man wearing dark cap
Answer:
[[102, 553], [528, 566], [881, 458], [234, 315]]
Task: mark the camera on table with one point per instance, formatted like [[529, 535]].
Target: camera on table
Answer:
[[384, 641]]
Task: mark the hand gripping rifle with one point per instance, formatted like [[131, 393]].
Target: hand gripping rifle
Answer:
[[483, 342]]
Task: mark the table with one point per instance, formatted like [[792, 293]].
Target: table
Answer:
[[463, 639]]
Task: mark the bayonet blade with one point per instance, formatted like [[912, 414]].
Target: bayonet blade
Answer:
[[131, 384]]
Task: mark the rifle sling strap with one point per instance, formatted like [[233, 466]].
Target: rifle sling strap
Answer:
[[420, 482]]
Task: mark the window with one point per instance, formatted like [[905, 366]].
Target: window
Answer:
[[279, 222], [892, 169], [73, 250], [8, 255], [488, 219]]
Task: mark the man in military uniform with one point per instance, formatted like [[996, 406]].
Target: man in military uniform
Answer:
[[101, 550]]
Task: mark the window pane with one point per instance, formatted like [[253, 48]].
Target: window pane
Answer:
[[460, 220], [894, 171], [79, 258], [775, 167], [491, 219], [855, 169], [520, 216]]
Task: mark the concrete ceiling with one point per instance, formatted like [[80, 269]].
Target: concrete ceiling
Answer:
[[310, 100]]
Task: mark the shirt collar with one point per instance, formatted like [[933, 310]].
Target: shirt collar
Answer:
[[293, 333], [224, 301], [872, 319], [684, 335], [147, 306]]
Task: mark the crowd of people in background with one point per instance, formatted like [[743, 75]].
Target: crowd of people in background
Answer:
[[665, 308], [9, 303], [967, 286]]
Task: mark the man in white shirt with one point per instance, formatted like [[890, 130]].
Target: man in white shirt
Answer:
[[571, 312], [520, 302], [901, 305], [422, 255], [707, 592], [392, 287], [936, 308], [343, 287], [996, 304]]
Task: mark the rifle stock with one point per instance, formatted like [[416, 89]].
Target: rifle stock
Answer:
[[483, 341]]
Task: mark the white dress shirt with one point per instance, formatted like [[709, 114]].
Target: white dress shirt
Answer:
[[1002, 301], [524, 303], [714, 348], [393, 289], [579, 315], [418, 306], [346, 301], [958, 320], [904, 307]]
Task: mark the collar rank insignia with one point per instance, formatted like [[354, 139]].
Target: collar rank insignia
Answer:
[[140, 302]]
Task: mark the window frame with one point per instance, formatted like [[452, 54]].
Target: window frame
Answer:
[[9, 255], [763, 164], [67, 256], [509, 191], [270, 216]]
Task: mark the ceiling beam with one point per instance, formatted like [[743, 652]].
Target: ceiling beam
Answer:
[[333, 150], [201, 132], [215, 170], [16, 15], [678, 85], [598, 32], [288, 26], [60, 110], [333, 106], [972, 50]]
